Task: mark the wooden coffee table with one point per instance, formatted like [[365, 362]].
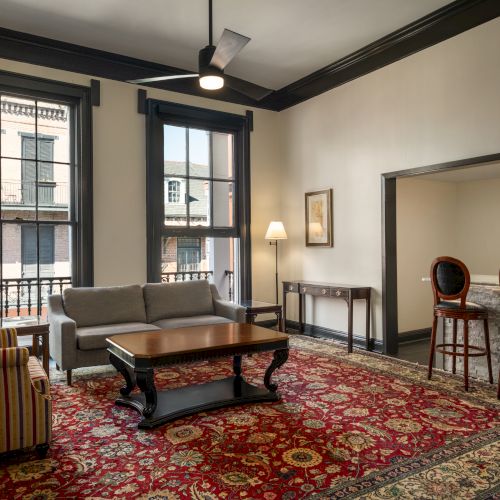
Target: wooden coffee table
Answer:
[[136, 355]]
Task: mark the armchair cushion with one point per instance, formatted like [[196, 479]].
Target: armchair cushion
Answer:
[[177, 300], [104, 306]]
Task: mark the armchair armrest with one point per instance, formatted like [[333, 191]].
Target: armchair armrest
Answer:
[[8, 337], [62, 334], [229, 310], [14, 356]]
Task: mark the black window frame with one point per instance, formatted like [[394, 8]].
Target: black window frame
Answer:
[[79, 98], [164, 112]]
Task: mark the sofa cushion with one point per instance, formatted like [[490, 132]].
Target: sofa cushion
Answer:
[[177, 300], [105, 305], [205, 319], [94, 337]]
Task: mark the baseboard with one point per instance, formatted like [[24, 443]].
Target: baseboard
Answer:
[[327, 333], [412, 335]]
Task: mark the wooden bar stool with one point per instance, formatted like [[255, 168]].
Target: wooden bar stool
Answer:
[[450, 281]]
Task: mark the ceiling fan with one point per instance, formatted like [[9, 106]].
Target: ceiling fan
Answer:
[[211, 63]]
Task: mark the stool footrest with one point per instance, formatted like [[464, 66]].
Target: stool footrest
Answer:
[[481, 350]]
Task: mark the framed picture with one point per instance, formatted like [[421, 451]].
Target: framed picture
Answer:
[[319, 218]]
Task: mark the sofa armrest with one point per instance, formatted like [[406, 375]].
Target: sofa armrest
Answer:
[[8, 337], [229, 310], [62, 334], [14, 356]]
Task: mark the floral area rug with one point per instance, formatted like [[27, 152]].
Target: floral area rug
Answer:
[[359, 425]]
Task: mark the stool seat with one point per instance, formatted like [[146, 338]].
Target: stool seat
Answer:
[[450, 281], [454, 305]]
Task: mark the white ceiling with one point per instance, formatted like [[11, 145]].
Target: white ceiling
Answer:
[[290, 38], [479, 172]]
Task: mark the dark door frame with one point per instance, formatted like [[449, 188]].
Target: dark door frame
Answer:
[[389, 240]]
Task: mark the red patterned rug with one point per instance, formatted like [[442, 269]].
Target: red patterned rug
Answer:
[[347, 426]]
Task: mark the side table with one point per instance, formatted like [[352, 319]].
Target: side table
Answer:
[[255, 307], [38, 328]]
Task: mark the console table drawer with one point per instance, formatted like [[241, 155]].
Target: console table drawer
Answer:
[[315, 290], [341, 293], [292, 287]]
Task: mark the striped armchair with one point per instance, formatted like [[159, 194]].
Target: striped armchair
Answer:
[[25, 404]]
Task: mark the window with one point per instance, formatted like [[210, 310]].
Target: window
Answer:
[[188, 254], [198, 195], [174, 191], [45, 202]]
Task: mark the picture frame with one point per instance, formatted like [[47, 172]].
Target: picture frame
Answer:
[[319, 218]]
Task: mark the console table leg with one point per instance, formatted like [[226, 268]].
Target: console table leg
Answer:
[[279, 358], [368, 310], [122, 368], [146, 383], [349, 324], [280, 321]]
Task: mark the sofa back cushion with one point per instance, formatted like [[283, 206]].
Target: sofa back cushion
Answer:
[[175, 300], [105, 305]]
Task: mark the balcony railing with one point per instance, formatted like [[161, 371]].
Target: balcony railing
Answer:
[[197, 275], [28, 296], [50, 194]]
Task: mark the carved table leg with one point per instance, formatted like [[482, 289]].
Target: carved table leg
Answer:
[[146, 383], [279, 358], [122, 368]]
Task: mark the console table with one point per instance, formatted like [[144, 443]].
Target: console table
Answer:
[[349, 293]]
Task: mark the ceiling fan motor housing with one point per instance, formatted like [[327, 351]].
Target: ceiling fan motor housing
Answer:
[[204, 58]]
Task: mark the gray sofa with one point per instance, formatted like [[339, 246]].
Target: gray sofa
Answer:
[[82, 318]]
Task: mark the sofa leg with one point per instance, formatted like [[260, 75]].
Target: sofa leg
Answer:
[[68, 376], [41, 450]]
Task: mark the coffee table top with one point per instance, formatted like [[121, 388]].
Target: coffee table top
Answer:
[[178, 341]]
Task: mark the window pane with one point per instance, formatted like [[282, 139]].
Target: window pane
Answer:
[[223, 204], [53, 132], [18, 121], [199, 202], [215, 259], [222, 154], [174, 150], [199, 153], [18, 196], [54, 193], [175, 201]]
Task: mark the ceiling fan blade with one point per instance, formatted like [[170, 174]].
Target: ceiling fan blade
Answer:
[[229, 45], [161, 78], [249, 89]]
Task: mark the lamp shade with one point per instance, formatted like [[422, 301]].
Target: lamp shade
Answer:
[[276, 231]]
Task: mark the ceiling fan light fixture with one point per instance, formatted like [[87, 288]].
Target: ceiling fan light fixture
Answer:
[[211, 82]]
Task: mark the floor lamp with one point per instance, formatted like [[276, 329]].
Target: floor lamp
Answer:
[[276, 231]]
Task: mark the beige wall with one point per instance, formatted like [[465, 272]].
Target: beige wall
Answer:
[[426, 213], [434, 218], [120, 178], [437, 105], [478, 231]]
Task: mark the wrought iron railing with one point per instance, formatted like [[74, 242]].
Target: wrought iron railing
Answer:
[[50, 194], [28, 296], [168, 277]]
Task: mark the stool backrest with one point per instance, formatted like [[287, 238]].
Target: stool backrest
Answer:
[[450, 280]]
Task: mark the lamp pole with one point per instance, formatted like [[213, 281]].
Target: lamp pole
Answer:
[[275, 243]]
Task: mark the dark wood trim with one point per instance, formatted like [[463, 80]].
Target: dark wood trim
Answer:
[[414, 335], [444, 23], [142, 105], [95, 92], [160, 112], [80, 98], [389, 241], [328, 333]]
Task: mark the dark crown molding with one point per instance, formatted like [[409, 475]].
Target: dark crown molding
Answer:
[[444, 23]]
